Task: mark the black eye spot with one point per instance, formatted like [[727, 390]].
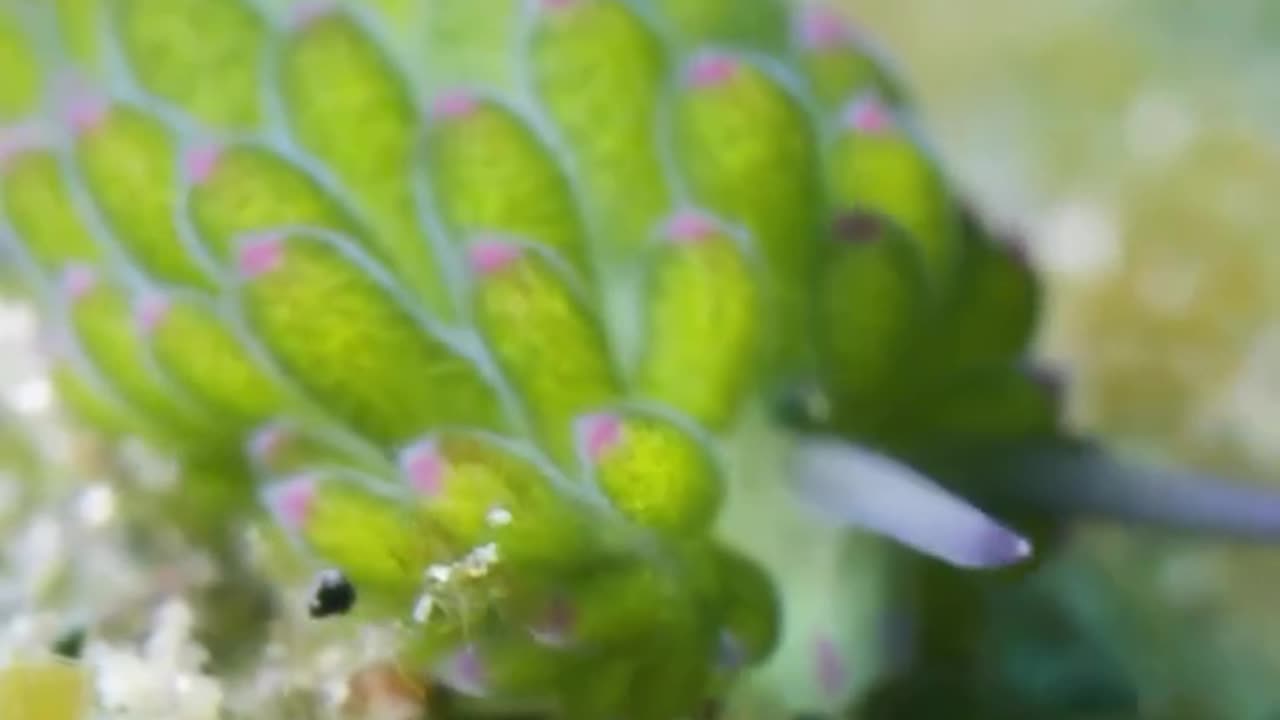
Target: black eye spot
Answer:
[[334, 595]]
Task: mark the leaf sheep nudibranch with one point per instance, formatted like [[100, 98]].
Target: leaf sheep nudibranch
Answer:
[[491, 303]]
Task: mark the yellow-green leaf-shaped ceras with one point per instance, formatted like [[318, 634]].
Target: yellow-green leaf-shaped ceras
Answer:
[[491, 173], [291, 445], [468, 43], [656, 472], [196, 345], [79, 32], [205, 57], [702, 349], [129, 162], [371, 536], [747, 153], [993, 317], [36, 199], [347, 104], [871, 299], [103, 321], [477, 489], [246, 188], [839, 60], [750, 25], [599, 70], [339, 329], [24, 77], [617, 605], [544, 337], [89, 397], [876, 164]]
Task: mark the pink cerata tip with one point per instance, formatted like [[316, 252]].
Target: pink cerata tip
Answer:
[[86, 111], [557, 5], [822, 27], [291, 501], [691, 226], [151, 311], [599, 433], [260, 254], [453, 104], [78, 281], [869, 114], [200, 161], [489, 256], [423, 468], [267, 441], [710, 69], [308, 11]]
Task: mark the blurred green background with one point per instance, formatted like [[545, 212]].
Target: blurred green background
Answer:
[[1137, 144]]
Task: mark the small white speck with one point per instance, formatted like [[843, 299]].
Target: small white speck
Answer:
[[476, 564], [498, 517], [439, 573], [423, 608], [486, 554]]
